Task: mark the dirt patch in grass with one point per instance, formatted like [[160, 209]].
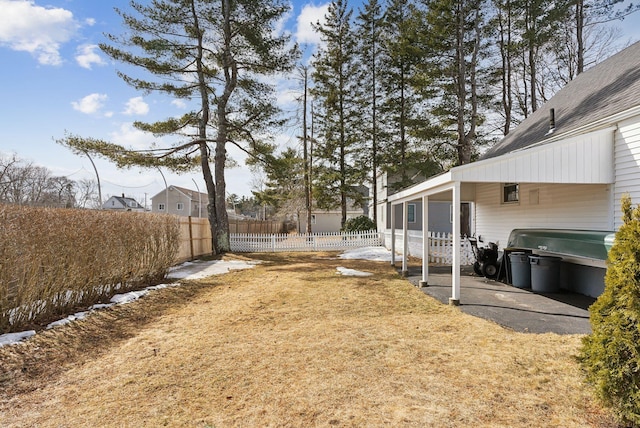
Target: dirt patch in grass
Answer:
[[292, 343]]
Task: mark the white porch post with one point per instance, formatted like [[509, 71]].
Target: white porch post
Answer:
[[425, 242], [405, 237], [455, 251], [393, 235]]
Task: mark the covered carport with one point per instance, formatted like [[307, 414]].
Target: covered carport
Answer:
[[568, 160]]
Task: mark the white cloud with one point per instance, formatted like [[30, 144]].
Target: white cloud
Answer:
[[25, 26], [91, 104], [86, 56], [310, 14], [180, 104], [136, 106], [131, 137]]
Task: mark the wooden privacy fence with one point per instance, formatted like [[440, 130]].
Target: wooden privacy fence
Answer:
[[195, 234], [255, 226], [304, 242]]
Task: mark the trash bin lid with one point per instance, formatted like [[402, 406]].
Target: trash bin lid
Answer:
[[536, 259]]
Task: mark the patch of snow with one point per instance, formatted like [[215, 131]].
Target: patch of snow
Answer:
[[75, 317], [100, 306], [352, 272], [121, 299], [11, 338], [376, 254], [161, 286], [199, 270]]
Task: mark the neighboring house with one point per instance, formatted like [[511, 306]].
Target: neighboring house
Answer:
[[180, 201], [325, 221], [122, 203], [565, 167]]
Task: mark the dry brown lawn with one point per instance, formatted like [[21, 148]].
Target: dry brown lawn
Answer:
[[291, 343]]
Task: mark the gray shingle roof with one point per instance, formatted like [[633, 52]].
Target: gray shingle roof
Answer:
[[608, 88]]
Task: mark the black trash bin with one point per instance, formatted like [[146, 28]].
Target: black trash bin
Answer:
[[520, 270], [545, 273]]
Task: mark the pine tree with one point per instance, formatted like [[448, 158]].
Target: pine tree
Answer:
[[284, 187], [338, 152], [453, 37], [369, 33], [217, 54], [610, 355]]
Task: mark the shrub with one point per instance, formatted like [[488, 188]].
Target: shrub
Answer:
[[359, 224], [53, 260], [610, 355]]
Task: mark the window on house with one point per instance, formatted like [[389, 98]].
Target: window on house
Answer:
[[313, 219], [160, 207], [179, 206], [113, 203], [411, 213], [510, 193]]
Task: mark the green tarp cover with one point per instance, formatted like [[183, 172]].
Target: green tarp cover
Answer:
[[591, 244]]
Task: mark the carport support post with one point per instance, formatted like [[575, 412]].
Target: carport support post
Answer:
[[393, 235], [455, 251], [405, 238], [425, 242]]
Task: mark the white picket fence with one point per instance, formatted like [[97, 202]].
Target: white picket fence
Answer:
[[440, 244], [249, 242], [440, 247]]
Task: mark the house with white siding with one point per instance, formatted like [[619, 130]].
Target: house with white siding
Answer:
[[564, 168], [122, 203]]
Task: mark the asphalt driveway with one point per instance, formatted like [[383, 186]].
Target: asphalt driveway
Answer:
[[518, 309]]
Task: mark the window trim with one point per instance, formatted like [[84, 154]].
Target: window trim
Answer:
[[511, 198], [411, 214], [179, 206]]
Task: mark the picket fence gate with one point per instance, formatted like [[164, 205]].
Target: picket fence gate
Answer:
[[250, 242]]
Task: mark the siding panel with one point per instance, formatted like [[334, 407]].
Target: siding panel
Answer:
[[627, 161], [559, 206]]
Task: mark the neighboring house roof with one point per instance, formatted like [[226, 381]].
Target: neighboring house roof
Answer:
[[125, 203], [605, 90], [192, 194]]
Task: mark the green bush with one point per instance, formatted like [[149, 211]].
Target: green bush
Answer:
[[53, 260], [610, 355], [359, 224]]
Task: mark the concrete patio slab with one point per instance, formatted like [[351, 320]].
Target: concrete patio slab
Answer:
[[515, 308]]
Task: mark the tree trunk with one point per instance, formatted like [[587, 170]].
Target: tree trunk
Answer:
[[307, 178], [230, 69], [463, 151], [202, 135], [579, 35]]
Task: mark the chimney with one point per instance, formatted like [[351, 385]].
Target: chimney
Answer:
[[123, 195], [552, 121]]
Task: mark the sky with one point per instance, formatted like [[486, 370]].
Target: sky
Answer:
[[54, 81], [197, 270]]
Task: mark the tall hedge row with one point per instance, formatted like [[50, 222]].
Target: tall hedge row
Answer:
[[53, 260]]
